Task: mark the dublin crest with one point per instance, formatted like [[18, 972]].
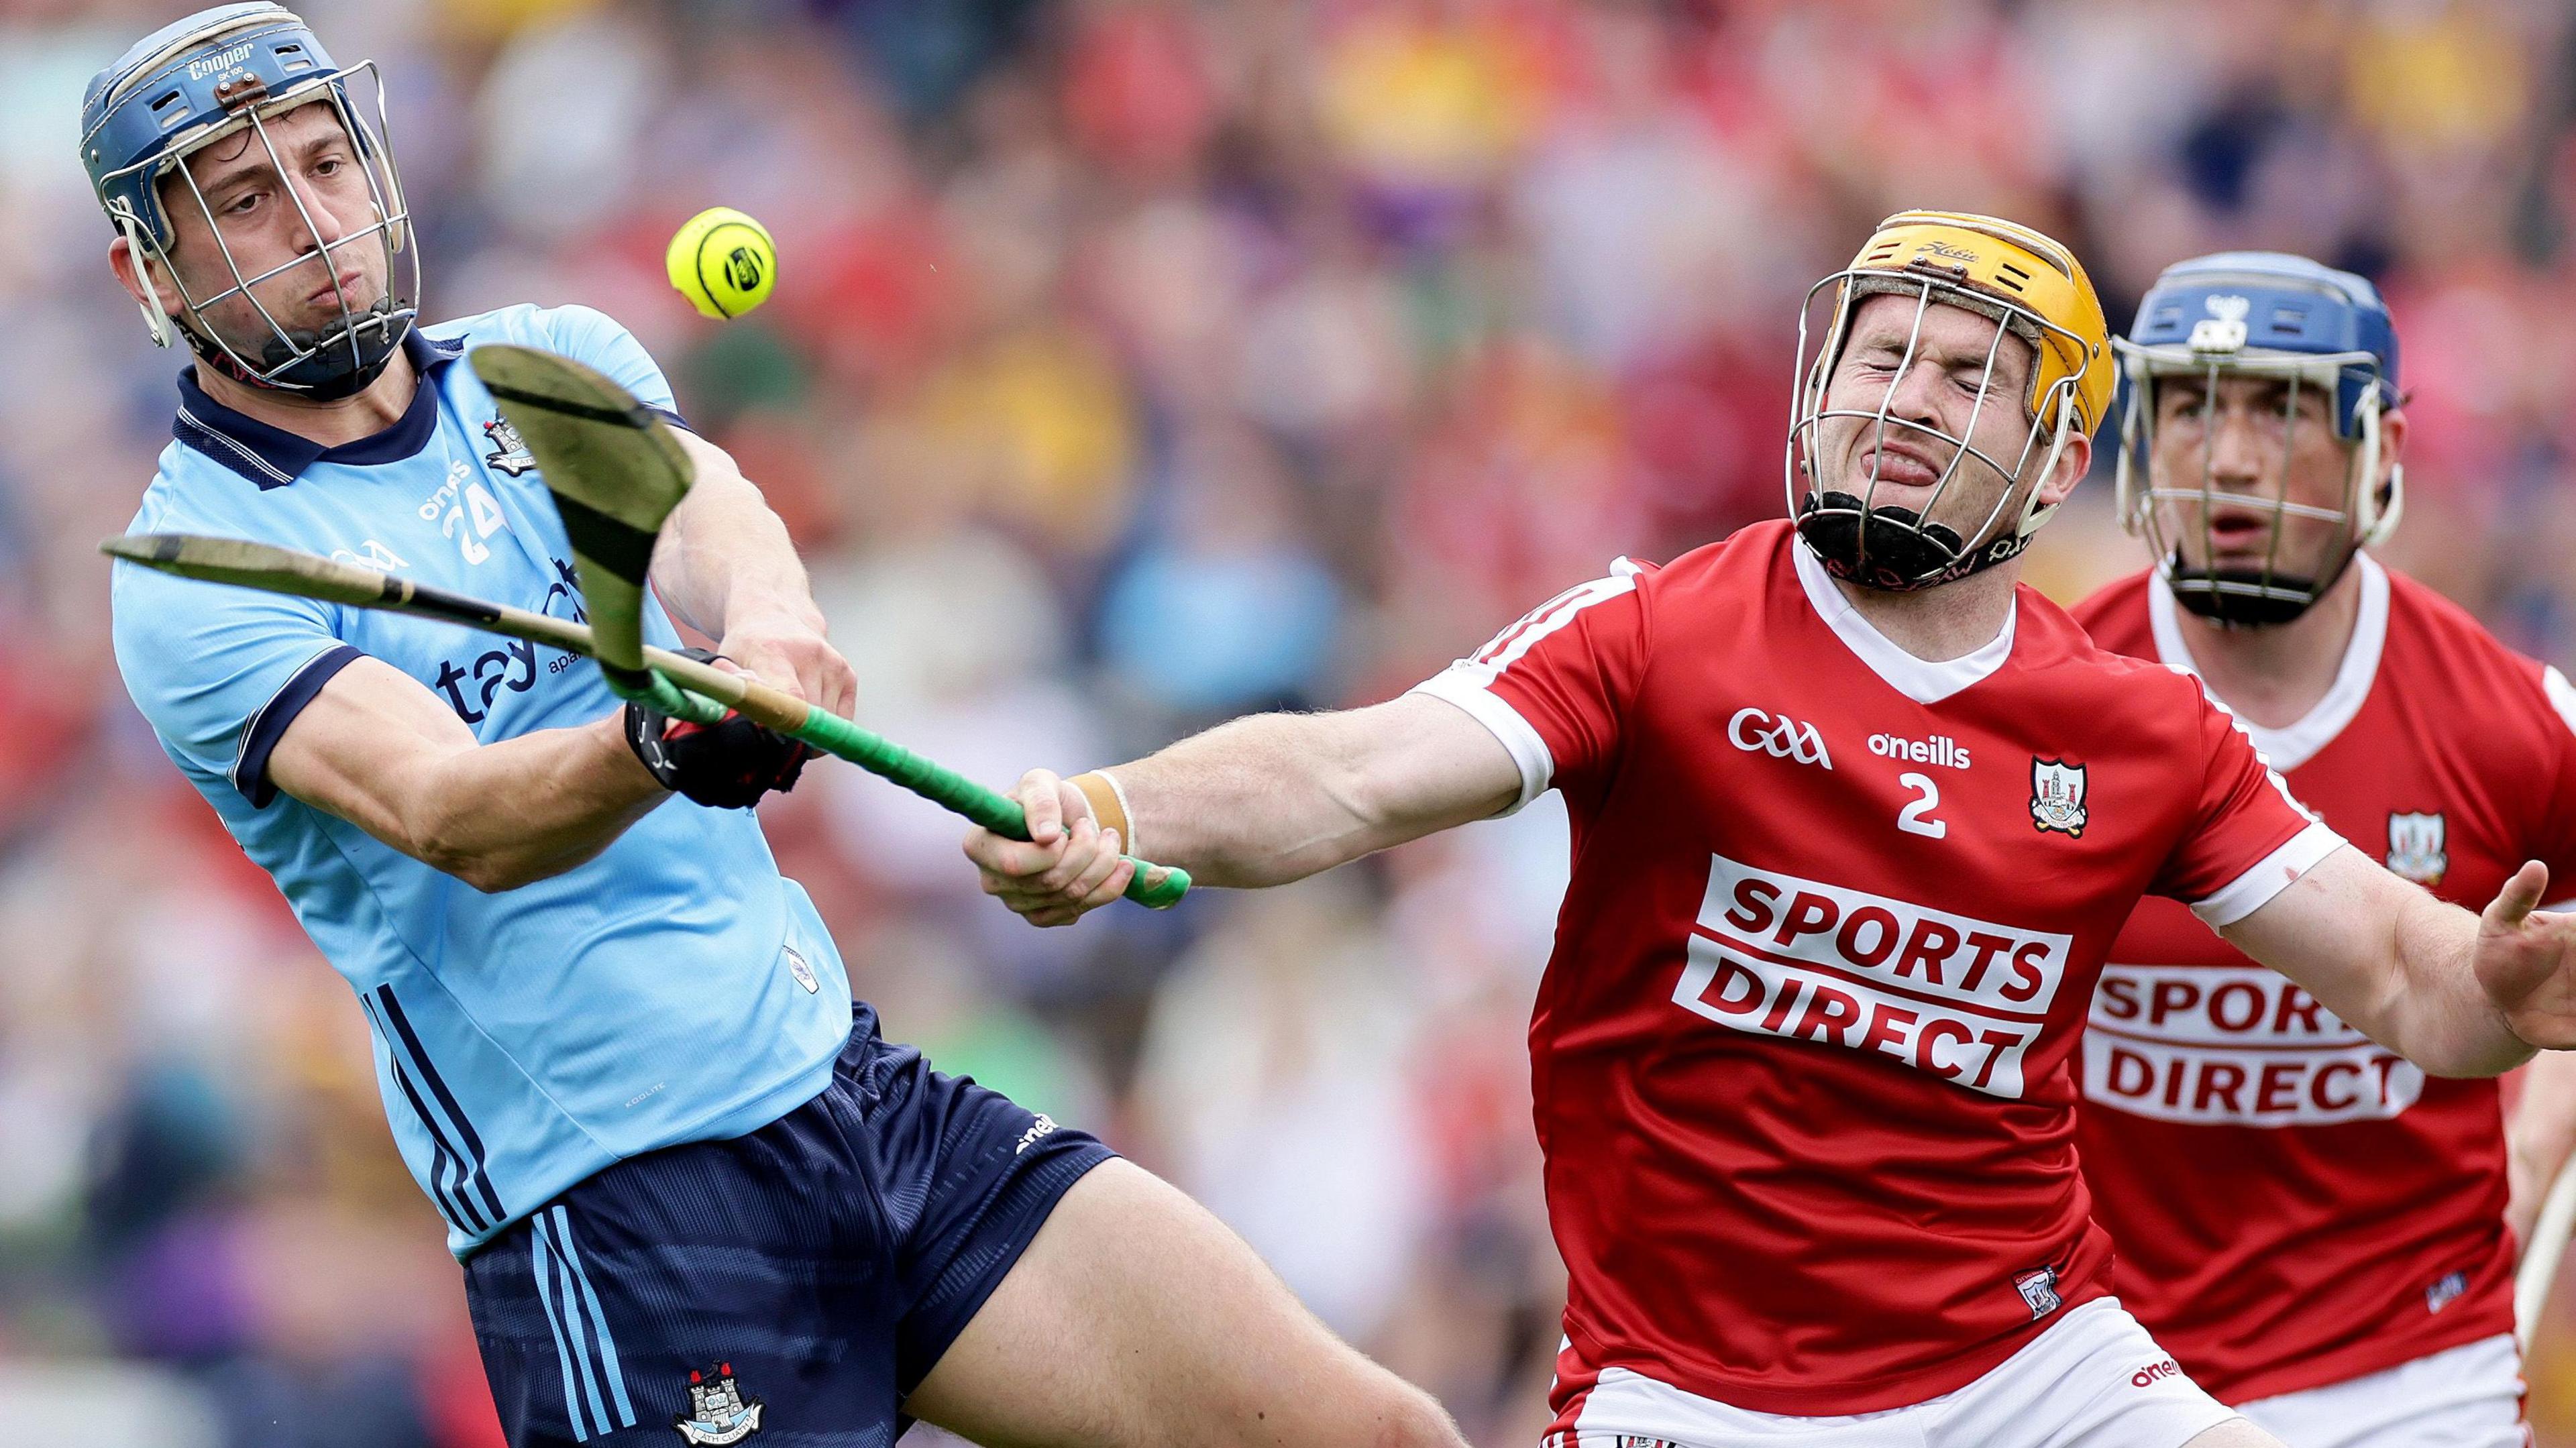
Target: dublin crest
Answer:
[[719, 1412], [2057, 796], [2415, 847], [509, 452]]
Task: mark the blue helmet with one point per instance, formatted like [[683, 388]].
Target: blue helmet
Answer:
[[2281, 317], [2285, 304], [216, 74]]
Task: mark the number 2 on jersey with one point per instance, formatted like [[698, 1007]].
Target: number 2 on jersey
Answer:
[[1915, 818]]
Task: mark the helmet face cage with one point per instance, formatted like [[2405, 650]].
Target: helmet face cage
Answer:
[[1898, 548], [359, 341], [2161, 510]]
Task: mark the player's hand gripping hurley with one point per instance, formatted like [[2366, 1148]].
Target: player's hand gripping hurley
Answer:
[[616, 473]]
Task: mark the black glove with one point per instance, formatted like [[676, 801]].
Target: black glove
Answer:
[[729, 764]]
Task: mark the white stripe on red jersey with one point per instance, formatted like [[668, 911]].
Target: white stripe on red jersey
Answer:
[[1467, 684]]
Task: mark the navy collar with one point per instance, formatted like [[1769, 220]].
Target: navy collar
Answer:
[[273, 457]]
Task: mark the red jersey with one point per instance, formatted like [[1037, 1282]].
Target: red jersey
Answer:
[[2294, 1205], [1801, 1055]]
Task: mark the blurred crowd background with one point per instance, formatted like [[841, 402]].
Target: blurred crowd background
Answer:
[[1134, 364]]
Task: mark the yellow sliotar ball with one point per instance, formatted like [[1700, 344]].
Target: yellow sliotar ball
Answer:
[[723, 262]]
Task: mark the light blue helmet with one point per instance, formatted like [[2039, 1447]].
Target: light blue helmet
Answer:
[[2278, 316], [215, 74]]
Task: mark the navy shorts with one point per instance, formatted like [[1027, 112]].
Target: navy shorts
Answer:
[[791, 1286]]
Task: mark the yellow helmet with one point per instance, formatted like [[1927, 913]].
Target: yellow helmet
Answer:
[[2033, 288], [2021, 270]]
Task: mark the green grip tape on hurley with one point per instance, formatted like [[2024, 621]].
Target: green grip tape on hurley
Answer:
[[660, 695], [1157, 887]]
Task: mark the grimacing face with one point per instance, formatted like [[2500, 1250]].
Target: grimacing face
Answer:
[[2252, 443], [1939, 390], [260, 223]]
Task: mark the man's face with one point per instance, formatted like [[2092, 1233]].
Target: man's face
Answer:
[[2253, 443], [255, 212], [1955, 358]]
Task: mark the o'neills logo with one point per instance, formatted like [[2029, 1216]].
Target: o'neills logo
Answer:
[[1952, 995], [2234, 1045], [1939, 749]]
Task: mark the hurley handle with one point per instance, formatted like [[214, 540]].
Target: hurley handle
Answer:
[[688, 689]]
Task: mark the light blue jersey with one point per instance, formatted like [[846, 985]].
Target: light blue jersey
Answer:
[[677, 988]]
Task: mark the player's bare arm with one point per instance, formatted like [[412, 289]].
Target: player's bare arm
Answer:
[[725, 567], [2455, 993], [1258, 801], [382, 752], [376, 748]]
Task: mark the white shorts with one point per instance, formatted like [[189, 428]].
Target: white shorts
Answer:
[[2095, 1379], [2463, 1397]]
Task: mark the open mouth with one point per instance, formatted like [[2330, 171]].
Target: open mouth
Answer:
[[2239, 528]]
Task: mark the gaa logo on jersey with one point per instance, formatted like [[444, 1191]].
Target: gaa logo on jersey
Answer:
[[2057, 796], [509, 452], [1779, 736], [2415, 847]]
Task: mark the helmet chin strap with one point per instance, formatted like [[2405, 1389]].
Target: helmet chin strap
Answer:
[[2275, 599], [2199, 591], [331, 368], [1889, 549], [138, 249], [1892, 550]]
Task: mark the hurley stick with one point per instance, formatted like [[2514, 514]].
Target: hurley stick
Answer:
[[272, 569], [2540, 1256], [616, 471]]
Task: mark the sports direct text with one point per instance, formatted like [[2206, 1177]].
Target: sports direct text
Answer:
[[2237, 1044], [1958, 997]]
